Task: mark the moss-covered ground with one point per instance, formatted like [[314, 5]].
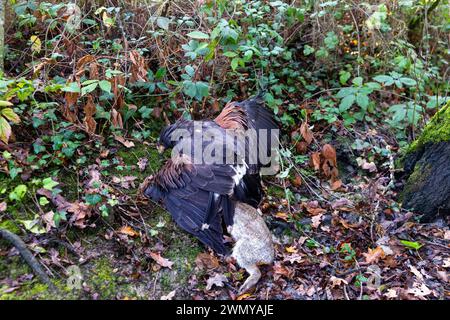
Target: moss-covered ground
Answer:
[[106, 272]]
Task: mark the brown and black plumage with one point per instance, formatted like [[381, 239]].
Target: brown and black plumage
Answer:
[[200, 196], [240, 116]]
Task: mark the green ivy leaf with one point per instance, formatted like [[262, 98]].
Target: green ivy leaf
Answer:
[[18, 193], [49, 184], [43, 201], [93, 199], [345, 92], [399, 111], [189, 70]]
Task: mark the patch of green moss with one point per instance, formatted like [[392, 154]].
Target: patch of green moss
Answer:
[[104, 279], [181, 248], [132, 155], [27, 292], [182, 252], [10, 226], [15, 267], [417, 178], [437, 130], [276, 192]]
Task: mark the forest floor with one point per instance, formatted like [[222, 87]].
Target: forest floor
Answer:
[[84, 94], [349, 243]]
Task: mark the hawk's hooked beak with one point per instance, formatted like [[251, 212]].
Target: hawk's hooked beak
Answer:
[[160, 148]]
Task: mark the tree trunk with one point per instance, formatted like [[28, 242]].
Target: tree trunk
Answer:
[[427, 166]]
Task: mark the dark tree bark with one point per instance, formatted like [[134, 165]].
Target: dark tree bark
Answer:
[[427, 190], [427, 168]]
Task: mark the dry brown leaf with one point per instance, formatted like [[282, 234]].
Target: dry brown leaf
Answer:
[[116, 119], [297, 182], [69, 112], [329, 153], [369, 166], [329, 165], [243, 296], [80, 211], [93, 71], [301, 147], [282, 270], [391, 293], [291, 249], [169, 296], [207, 261], [316, 220], [215, 106], [315, 160], [306, 132], [142, 164], [419, 290], [282, 215], [126, 143], [336, 282], [49, 221], [374, 255], [313, 207], [89, 112], [336, 184], [442, 275], [83, 61], [138, 67], [416, 273], [216, 280], [124, 181], [157, 112], [127, 230], [118, 83], [163, 262], [342, 204]]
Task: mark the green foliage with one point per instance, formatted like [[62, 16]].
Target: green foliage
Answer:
[[18, 193], [71, 93], [411, 244]]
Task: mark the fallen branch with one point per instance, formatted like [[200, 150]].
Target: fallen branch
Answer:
[[27, 256]]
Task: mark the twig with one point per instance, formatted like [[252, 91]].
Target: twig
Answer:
[[27, 256]]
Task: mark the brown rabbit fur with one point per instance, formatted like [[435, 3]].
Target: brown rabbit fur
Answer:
[[253, 243]]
